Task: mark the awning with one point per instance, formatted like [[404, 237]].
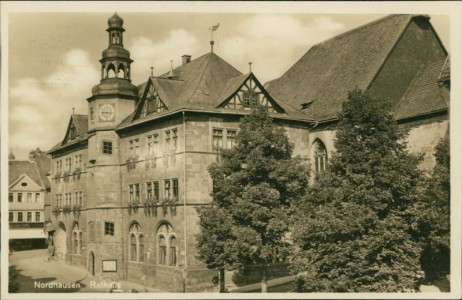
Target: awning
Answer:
[[32, 233]]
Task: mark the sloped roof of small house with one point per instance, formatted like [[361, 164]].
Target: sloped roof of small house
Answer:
[[200, 85], [423, 95], [18, 168], [329, 70], [43, 163]]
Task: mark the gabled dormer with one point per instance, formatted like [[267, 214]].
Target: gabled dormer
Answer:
[[76, 129], [246, 92], [151, 101]]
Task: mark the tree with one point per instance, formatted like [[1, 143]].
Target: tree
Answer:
[[352, 232], [432, 221], [254, 186]]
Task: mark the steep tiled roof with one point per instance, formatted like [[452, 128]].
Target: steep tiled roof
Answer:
[[43, 163], [330, 69], [18, 168], [423, 95], [201, 84]]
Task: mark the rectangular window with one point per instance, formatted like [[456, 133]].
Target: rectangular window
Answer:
[[167, 189], [29, 197], [80, 202], [78, 162], [10, 197], [134, 192], [107, 147], [149, 190], [29, 216], [37, 197], [108, 228], [155, 143], [137, 147], [37, 216], [250, 99], [175, 188], [92, 113], [217, 140], [131, 196], [19, 197], [19, 216], [231, 138], [10, 217], [167, 139], [134, 147], [175, 138], [156, 190], [137, 192], [150, 145]]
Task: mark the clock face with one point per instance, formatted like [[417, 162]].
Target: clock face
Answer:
[[106, 112]]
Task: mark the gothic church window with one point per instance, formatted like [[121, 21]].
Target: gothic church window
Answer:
[[91, 231], [167, 245], [76, 239], [319, 157]]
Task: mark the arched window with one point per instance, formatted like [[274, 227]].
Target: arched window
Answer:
[[141, 247], [162, 250], [121, 71], [136, 242], [76, 234], [173, 247], [167, 245], [319, 157], [133, 247], [91, 231], [111, 71]]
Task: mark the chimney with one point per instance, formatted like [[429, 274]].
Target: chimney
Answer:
[[186, 59]]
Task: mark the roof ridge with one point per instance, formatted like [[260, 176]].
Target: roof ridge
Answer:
[[353, 30]]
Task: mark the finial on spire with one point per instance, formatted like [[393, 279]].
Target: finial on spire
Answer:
[[73, 111], [212, 29], [152, 71], [250, 67]]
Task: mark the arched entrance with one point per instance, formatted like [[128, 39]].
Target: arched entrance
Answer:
[[91, 263], [59, 240]]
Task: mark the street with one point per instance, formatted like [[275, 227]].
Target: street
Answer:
[[36, 275]]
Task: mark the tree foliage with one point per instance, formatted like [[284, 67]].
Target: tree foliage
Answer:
[[432, 221], [254, 185], [352, 232]]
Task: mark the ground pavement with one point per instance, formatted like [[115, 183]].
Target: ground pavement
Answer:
[[37, 275]]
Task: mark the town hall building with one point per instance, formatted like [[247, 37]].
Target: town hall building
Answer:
[[127, 178]]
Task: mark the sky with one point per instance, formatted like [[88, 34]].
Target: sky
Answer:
[[54, 57]]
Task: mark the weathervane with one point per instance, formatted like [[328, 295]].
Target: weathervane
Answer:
[[212, 29]]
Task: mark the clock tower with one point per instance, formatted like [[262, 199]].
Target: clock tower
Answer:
[[115, 96]]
